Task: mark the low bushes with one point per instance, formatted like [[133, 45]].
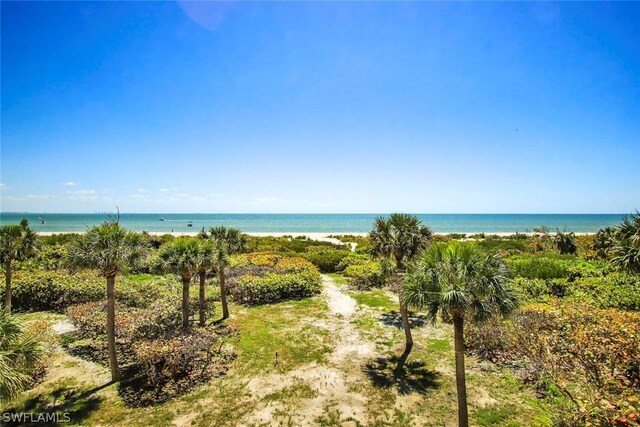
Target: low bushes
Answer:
[[539, 290], [276, 287], [36, 290], [586, 360], [366, 275], [263, 278], [257, 259], [286, 244], [162, 361], [48, 257], [327, 261], [614, 290], [539, 267], [52, 290], [160, 319]]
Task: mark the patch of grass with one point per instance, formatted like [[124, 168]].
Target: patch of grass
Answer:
[[496, 415], [439, 345], [141, 278], [376, 298], [339, 279], [226, 404], [49, 316], [331, 417], [298, 390], [367, 323], [274, 337]]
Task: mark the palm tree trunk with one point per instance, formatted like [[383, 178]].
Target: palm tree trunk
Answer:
[[404, 313], [111, 328], [7, 290], [185, 302], [201, 301], [223, 294], [458, 329]]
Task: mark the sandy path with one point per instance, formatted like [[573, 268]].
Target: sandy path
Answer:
[[336, 381], [338, 302]]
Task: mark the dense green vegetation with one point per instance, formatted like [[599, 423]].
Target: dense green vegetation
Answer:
[[177, 348]]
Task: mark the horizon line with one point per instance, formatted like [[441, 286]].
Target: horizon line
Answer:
[[314, 213]]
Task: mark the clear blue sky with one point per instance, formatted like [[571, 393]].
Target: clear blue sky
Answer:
[[320, 107]]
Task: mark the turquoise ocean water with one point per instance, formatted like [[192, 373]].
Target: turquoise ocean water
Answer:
[[320, 223]]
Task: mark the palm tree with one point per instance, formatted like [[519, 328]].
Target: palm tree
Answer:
[[19, 352], [604, 241], [400, 239], [108, 248], [17, 243], [626, 251], [229, 241], [182, 256], [459, 281], [564, 243], [207, 256]]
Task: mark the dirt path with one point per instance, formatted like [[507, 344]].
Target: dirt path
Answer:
[[339, 303], [335, 382]]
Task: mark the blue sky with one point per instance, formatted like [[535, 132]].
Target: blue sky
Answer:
[[320, 107]]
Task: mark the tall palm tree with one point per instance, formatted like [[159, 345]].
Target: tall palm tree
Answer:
[[207, 256], [19, 353], [400, 239], [229, 241], [182, 256], [461, 281], [626, 251], [17, 243], [108, 248]]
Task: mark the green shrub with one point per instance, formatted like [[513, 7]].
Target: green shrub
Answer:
[[533, 290], [286, 244], [162, 318], [366, 275], [539, 267], [58, 239], [353, 259], [327, 261], [294, 265], [48, 257], [276, 287], [256, 259], [37, 290], [53, 290], [616, 290], [504, 246]]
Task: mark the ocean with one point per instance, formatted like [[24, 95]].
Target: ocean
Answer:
[[317, 223]]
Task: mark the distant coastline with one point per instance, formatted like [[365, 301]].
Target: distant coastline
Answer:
[[318, 225]]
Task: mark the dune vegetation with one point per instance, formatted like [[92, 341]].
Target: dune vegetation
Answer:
[[400, 328]]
